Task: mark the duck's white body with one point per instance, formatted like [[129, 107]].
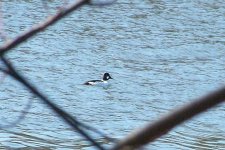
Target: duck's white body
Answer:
[[102, 82], [97, 82]]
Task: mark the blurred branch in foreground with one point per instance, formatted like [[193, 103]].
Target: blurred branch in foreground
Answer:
[[138, 138], [64, 115], [19, 119], [160, 127], [10, 70], [64, 11], [41, 26]]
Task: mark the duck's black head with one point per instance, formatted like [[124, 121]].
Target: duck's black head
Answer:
[[107, 76]]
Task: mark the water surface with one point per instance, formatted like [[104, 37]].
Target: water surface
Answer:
[[161, 54]]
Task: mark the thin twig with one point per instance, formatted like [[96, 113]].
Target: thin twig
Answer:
[[41, 26], [20, 118], [153, 131], [64, 115], [7, 72], [24, 111], [38, 28]]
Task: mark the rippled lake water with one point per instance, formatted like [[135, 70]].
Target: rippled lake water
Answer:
[[161, 54]]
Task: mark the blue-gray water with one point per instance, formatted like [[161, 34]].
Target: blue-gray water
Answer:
[[161, 54]]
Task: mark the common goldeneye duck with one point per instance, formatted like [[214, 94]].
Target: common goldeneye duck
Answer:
[[106, 77]]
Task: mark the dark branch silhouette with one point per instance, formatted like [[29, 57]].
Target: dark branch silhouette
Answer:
[[64, 115], [160, 127], [13, 73], [40, 27], [139, 138], [64, 11]]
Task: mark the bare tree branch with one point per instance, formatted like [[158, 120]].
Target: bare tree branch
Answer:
[[22, 115], [7, 72], [40, 27], [155, 130], [138, 138], [12, 72], [64, 115]]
